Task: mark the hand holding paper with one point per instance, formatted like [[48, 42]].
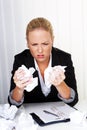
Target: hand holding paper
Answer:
[[28, 73], [54, 75]]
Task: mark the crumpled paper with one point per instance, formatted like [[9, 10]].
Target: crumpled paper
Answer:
[[6, 124], [16, 119], [47, 73], [25, 122], [29, 73], [8, 112], [50, 72]]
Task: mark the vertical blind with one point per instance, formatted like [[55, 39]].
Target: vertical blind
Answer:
[[69, 20]]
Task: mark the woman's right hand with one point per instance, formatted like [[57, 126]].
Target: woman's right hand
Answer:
[[20, 79]]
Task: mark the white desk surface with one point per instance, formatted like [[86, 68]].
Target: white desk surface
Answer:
[[82, 106]]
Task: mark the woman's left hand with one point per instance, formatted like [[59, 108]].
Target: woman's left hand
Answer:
[[57, 76]]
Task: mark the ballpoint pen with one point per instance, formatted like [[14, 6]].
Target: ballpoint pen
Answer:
[[48, 112]]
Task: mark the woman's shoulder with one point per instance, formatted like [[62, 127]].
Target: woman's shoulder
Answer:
[[57, 51], [61, 57], [24, 53]]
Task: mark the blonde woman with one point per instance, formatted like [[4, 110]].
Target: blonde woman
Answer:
[[41, 55]]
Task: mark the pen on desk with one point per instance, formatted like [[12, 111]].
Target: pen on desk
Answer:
[[50, 113]]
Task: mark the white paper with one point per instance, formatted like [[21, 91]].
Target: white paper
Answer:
[[25, 122], [62, 111], [6, 124], [49, 72], [7, 111], [29, 73], [32, 85]]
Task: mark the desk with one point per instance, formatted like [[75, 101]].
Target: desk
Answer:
[[82, 106]]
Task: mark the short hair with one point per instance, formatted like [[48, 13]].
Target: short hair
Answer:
[[39, 22]]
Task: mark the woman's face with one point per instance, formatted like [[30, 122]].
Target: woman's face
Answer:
[[40, 44]]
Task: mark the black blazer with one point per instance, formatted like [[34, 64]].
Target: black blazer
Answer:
[[59, 57]]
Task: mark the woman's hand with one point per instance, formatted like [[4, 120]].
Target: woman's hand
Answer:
[[57, 76], [20, 79]]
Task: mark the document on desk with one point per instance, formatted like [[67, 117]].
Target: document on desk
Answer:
[[53, 113]]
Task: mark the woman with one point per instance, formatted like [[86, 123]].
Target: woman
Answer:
[[41, 55]]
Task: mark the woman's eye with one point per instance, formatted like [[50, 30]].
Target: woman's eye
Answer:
[[35, 44], [45, 43]]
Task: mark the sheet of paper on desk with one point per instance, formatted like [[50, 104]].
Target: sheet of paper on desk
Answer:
[[62, 112]]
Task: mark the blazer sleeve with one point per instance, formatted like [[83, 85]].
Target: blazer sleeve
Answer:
[[71, 79]]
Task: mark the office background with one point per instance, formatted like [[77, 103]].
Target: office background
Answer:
[[69, 20]]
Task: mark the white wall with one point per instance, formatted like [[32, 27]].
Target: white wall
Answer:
[[69, 20]]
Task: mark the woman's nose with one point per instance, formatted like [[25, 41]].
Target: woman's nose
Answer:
[[40, 49]]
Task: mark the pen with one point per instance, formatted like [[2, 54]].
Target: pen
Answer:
[[50, 113]]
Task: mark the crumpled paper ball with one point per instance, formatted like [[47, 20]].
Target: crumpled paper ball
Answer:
[[25, 122], [8, 112], [29, 73], [50, 72], [6, 124]]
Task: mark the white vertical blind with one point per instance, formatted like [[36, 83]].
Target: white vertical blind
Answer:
[[69, 20]]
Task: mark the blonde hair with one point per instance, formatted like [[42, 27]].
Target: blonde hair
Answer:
[[39, 22]]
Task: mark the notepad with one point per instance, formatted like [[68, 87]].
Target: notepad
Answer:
[[53, 113], [42, 123]]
